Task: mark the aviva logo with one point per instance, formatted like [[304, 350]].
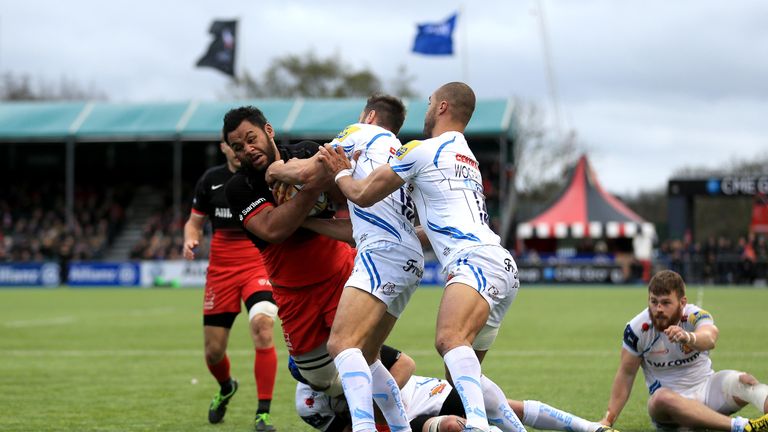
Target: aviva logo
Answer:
[[402, 151], [349, 130]]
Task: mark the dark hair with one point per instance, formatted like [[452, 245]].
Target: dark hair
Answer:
[[461, 99], [665, 282], [390, 111], [234, 117]]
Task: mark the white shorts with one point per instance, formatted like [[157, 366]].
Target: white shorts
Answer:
[[711, 392], [389, 272], [492, 271]]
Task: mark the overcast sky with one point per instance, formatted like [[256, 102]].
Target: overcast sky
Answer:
[[648, 86]]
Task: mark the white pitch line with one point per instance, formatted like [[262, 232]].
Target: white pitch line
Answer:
[[41, 322]]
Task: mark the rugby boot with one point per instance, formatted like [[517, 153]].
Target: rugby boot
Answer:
[[759, 424], [219, 404], [263, 423]]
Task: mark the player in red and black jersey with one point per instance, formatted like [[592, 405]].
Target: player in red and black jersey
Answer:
[[307, 270], [236, 273]]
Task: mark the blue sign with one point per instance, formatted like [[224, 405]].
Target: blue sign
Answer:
[[29, 274], [100, 274], [432, 275]]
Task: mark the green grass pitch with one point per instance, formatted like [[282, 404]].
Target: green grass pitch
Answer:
[[127, 360]]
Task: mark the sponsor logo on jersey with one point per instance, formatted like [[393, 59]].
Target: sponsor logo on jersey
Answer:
[[404, 149], [467, 160], [222, 212], [309, 402], [493, 293], [214, 187], [349, 130], [388, 288], [250, 208], [436, 390], [672, 363], [660, 351], [410, 267], [685, 348], [697, 316]]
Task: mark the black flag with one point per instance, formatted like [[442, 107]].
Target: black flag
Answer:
[[221, 53]]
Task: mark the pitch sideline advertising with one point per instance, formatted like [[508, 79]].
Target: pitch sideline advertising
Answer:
[[179, 273], [29, 274]]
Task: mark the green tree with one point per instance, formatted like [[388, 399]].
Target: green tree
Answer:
[[312, 77]]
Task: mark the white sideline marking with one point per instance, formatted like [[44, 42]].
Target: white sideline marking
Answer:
[[41, 322], [70, 319], [242, 352]]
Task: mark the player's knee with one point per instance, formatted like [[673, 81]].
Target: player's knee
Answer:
[[445, 342], [214, 352], [662, 401], [448, 423]]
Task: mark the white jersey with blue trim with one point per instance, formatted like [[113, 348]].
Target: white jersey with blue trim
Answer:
[[390, 219], [665, 363], [448, 192], [420, 396]]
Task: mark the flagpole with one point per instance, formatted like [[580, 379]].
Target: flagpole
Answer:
[[464, 46], [552, 83]]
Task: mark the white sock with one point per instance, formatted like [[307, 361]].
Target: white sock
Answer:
[[386, 394], [464, 367], [738, 423], [542, 416], [356, 380], [497, 407]]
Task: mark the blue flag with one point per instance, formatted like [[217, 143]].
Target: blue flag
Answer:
[[435, 38]]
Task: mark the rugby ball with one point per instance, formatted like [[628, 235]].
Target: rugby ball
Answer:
[[322, 204]]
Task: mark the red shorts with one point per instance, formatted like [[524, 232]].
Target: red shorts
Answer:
[[226, 287], [307, 313]]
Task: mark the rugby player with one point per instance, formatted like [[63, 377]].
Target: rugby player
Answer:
[[388, 268], [431, 404], [671, 340], [235, 272], [307, 270], [481, 280]]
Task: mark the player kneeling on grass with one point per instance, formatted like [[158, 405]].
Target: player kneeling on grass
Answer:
[[671, 340], [431, 404]]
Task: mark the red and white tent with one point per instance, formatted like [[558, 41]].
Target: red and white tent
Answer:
[[585, 209]]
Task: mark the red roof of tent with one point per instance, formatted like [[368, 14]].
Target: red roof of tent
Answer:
[[585, 209]]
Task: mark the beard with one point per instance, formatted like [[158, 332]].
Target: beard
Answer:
[[661, 322], [429, 125], [259, 162]]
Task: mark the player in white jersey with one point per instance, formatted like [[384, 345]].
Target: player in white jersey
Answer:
[[671, 340], [481, 275], [431, 405], [388, 268]]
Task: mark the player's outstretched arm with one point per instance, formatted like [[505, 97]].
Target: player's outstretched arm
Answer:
[[622, 386], [703, 338], [339, 229], [297, 171], [193, 233], [364, 192]]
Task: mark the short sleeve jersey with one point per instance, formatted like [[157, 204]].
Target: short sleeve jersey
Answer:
[[420, 396], [390, 219], [448, 192], [305, 258], [666, 363], [211, 200]]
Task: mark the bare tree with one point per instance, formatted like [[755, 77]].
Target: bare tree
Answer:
[[540, 157], [309, 76], [21, 87]]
